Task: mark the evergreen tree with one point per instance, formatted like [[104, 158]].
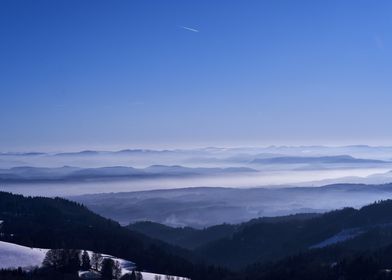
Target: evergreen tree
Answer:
[[117, 270], [52, 259], [139, 276], [133, 275], [66, 260], [72, 260], [96, 260], [107, 269], [48, 259], [126, 277], [86, 265]]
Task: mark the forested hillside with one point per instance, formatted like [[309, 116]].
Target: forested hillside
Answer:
[[58, 223], [270, 239], [344, 243]]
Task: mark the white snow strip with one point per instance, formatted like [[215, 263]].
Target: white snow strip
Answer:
[[339, 237], [153, 276], [14, 256]]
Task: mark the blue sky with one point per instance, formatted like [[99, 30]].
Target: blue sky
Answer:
[[91, 73]]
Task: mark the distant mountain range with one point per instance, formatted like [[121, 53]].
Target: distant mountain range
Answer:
[[243, 163], [68, 173], [241, 153], [344, 159], [313, 149]]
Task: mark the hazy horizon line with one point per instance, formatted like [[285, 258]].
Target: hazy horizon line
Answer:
[[186, 148]]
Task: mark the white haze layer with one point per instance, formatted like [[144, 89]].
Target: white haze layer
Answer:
[[270, 179], [359, 164]]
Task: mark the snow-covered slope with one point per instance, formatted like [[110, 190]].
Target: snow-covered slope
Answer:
[[14, 256]]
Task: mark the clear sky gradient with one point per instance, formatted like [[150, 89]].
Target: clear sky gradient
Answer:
[[140, 73]]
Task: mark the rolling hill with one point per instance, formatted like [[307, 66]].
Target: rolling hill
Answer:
[[57, 223], [269, 239]]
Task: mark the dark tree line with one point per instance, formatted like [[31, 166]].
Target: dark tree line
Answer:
[[71, 261]]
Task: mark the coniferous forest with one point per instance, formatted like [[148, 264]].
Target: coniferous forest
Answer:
[[63, 226]]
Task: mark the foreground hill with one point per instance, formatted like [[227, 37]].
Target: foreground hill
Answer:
[[58, 223], [13, 256], [343, 244]]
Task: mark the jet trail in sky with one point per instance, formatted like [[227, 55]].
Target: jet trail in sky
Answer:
[[189, 29]]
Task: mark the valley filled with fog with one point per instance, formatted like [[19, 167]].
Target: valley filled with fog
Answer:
[[202, 187], [203, 207]]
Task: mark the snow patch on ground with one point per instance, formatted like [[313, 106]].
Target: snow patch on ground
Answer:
[[153, 276], [348, 234], [339, 237], [14, 256]]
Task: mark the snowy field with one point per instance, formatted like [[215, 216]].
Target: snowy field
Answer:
[[14, 256]]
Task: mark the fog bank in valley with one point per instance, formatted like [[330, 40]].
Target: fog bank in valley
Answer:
[[238, 183]]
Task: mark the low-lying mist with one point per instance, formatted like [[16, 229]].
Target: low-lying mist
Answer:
[[201, 207], [270, 179], [238, 184]]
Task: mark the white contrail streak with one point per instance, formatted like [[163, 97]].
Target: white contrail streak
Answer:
[[189, 29]]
